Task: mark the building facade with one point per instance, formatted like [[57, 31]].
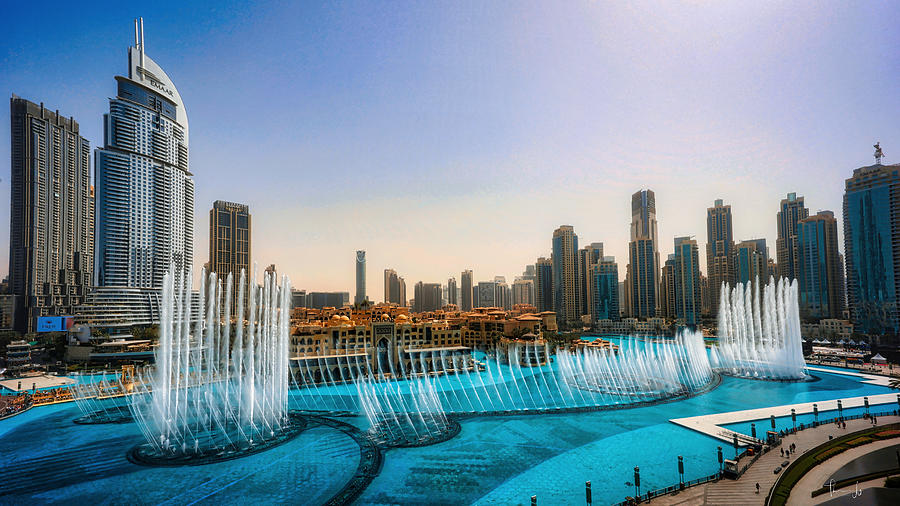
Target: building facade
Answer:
[[543, 284], [451, 292], [819, 268], [688, 299], [719, 248], [751, 262], [565, 279], [588, 256], [50, 247], [229, 243], [643, 256], [465, 294], [667, 288], [360, 296], [872, 248], [523, 292], [144, 187], [605, 290], [427, 297], [792, 209]]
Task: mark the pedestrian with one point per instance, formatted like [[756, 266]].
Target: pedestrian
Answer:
[[782, 452], [757, 487]]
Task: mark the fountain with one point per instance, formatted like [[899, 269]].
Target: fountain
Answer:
[[759, 335], [101, 397], [211, 397]]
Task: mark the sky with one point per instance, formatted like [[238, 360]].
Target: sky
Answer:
[[442, 136]]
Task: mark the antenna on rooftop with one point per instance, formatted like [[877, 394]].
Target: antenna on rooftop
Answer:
[[879, 154]]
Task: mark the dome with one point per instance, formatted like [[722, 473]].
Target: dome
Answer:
[[345, 318], [401, 318]]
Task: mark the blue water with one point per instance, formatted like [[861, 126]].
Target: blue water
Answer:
[[494, 460]]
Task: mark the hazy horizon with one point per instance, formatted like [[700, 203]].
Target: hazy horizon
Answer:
[[458, 136]]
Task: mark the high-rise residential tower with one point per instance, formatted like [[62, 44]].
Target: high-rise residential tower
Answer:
[[360, 296], [229, 243], [428, 297], [588, 256], [565, 281], [605, 287], [50, 230], [523, 291], [688, 299], [451, 291], [719, 248], [667, 288], [643, 256], [751, 261], [819, 273], [465, 295], [872, 248], [543, 284], [144, 187], [791, 211]]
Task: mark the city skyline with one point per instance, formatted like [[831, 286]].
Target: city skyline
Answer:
[[423, 240]]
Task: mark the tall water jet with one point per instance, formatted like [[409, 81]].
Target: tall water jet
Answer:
[[760, 339], [207, 398]]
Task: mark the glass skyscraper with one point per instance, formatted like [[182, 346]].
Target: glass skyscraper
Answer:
[[604, 277], [360, 296], [719, 248], [643, 256], [872, 247], [144, 188], [565, 275], [688, 299], [819, 267], [792, 209]]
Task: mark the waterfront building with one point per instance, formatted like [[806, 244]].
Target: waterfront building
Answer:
[[872, 248], [643, 256], [565, 282], [819, 267], [229, 244], [719, 248], [791, 211], [144, 187], [667, 288], [50, 233]]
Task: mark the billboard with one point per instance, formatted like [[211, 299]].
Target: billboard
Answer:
[[54, 323]]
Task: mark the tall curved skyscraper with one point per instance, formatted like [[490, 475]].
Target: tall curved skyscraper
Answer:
[[144, 188]]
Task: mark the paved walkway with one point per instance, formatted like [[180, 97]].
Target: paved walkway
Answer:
[[819, 475], [711, 424], [42, 381], [743, 490]]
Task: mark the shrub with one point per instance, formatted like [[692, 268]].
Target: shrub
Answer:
[[892, 482]]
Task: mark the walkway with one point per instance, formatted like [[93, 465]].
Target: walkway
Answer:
[[42, 381], [711, 424], [819, 475], [743, 490]]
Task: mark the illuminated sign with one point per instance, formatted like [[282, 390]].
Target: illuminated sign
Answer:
[[54, 323]]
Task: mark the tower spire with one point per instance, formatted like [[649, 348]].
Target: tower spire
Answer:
[[879, 154]]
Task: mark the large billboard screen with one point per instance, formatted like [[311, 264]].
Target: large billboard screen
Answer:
[[54, 323]]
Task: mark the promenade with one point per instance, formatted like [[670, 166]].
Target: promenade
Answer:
[[743, 490]]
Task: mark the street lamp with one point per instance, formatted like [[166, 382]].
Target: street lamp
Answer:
[[816, 413], [840, 410], [719, 451], [772, 418], [681, 470], [866, 402], [587, 491], [753, 430], [735, 442], [794, 418], [637, 481]]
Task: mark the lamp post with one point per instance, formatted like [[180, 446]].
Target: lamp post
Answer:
[[866, 402], [735, 442], [753, 430], [772, 419], [719, 451], [816, 413], [840, 410], [534, 500], [794, 418], [587, 492], [681, 471], [637, 482]]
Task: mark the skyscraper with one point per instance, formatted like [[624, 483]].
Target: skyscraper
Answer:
[[50, 230], [643, 256], [605, 287], [719, 248], [751, 262], [792, 210], [487, 294], [523, 291], [391, 286], [229, 243], [565, 291], [360, 296], [428, 297], [543, 284], [587, 257], [688, 299], [819, 268], [871, 251], [667, 288], [144, 187], [402, 283], [466, 292], [451, 291]]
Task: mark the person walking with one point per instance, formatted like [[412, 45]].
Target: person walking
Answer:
[[757, 487]]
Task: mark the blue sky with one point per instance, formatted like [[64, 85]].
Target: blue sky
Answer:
[[445, 136]]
